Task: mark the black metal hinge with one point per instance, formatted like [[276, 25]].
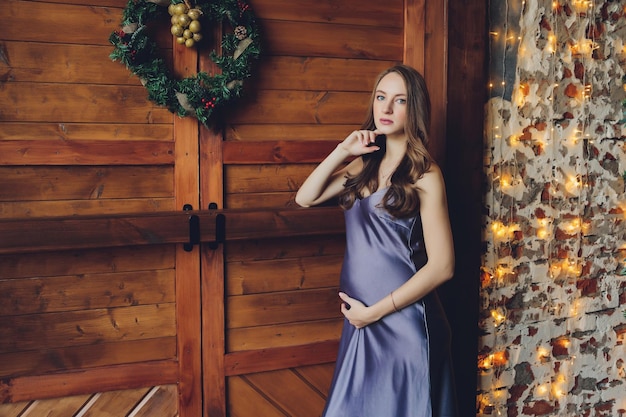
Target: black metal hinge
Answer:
[[194, 229], [220, 228]]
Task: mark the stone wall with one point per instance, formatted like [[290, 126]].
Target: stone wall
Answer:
[[553, 285]]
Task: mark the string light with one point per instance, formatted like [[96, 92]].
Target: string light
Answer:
[[562, 229]]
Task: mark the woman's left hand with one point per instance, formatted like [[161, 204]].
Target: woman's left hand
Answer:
[[357, 313]]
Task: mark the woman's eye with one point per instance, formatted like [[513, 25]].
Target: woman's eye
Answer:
[[401, 101], [380, 98]]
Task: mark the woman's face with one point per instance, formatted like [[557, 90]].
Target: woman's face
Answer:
[[390, 103]]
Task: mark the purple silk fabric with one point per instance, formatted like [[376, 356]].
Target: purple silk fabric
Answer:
[[398, 366]]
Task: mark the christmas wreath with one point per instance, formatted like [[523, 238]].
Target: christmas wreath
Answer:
[[202, 94]]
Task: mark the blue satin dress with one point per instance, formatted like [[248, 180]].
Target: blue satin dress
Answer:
[[399, 366]]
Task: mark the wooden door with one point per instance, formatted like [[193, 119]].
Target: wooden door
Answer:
[[270, 313], [249, 327]]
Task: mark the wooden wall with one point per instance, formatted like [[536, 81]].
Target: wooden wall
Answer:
[[314, 82], [78, 137], [248, 329]]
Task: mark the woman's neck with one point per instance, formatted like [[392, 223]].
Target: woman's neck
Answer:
[[395, 150]]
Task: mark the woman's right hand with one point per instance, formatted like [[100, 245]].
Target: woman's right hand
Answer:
[[360, 142]]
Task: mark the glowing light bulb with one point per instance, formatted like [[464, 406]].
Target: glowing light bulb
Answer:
[[542, 390], [573, 184], [543, 353], [498, 315], [573, 226], [505, 181]]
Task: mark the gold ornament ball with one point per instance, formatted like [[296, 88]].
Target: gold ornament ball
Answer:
[[189, 43], [184, 20], [180, 8], [177, 30], [195, 26], [194, 14]]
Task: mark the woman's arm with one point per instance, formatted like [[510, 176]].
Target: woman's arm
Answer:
[[440, 250], [327, 180]]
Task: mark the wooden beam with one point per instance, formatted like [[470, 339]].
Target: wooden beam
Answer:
[[188, 304], [212, 263], [277, 152], [425, 49], [81, 232], [88, 152], [263, 360], [414, 32], [436, 73], [88, 381]]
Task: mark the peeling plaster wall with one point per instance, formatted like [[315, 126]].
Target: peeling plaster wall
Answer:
[[553, 285]]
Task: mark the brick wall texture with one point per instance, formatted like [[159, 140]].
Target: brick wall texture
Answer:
[[553, 282]]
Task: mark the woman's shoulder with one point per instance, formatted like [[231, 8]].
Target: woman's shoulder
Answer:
[[432, 180]]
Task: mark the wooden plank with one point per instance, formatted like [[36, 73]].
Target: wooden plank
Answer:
[[83, 261], [299, 222], [332, 40], [112, 3], [67, 23], [43, 361], [289, 392], [265, 178], [436, 73], [66, 63], [40, 234], [241, 363], [282, 335], [84, 182], [285, 307], [113, 403], [85, 327], [79, 103], [301, 107], [377, 14], [113, 206], [62, 152], [188, 288], [86, 131], [212, 267], [414, 33], [255, 403], [300, 132], [319, 376], [57, 407], [160, 401], [88, 381], [13, 410], [284, 248], [262, 200], [317, 73], [37, 234], [78, 292], [282, 275], [280, 152]]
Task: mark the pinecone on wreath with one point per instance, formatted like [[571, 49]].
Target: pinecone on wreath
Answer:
[[241, 32]]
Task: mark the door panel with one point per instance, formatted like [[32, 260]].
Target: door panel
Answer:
[[215, 324]]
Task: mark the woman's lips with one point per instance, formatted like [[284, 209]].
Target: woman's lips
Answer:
[[385, 121]]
